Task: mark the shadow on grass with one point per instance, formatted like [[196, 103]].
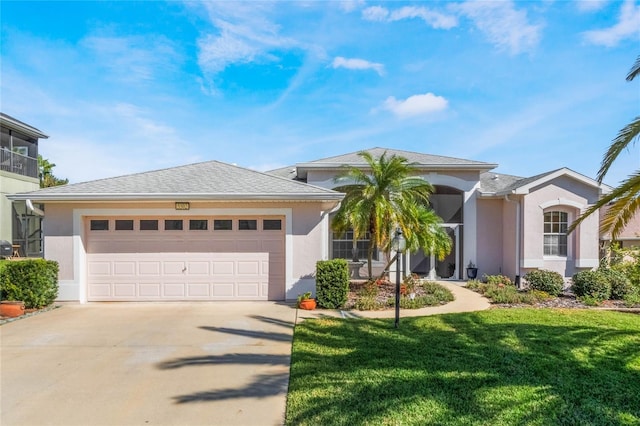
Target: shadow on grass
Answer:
[[261, 385], [494, 367]]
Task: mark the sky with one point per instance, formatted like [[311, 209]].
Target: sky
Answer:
[[125, 87]]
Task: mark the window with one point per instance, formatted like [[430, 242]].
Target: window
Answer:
[[247, 224], [99, 225], [222, 225], [555, 233], [343, 245], [148, 225], [272, 224], [124, 225], [198, 225], [173, 225]]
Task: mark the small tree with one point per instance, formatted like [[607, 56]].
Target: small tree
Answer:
[[45, 172]]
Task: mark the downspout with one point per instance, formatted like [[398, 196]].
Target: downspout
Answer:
[[518, 232]]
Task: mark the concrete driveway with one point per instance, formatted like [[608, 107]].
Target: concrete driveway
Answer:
[[224, 363]]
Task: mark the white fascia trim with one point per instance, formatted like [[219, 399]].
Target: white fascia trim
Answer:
[[562, 202], [80, 254], [329, 196]]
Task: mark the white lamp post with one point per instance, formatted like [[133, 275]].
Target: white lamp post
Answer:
[[398, 244]]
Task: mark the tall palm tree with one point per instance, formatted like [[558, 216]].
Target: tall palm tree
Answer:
[[624, 200], [384, 197]]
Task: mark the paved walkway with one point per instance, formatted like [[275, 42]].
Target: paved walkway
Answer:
[[465, 301]]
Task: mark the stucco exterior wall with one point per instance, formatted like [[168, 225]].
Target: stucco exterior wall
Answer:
[[511, 243], [305, 240], [11, 183], [490, 238], [565, 195]]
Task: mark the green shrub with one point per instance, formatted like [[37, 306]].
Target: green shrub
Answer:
[[476, 285], [436, 290], [498, 279], [632, 299], [332, 283], [548, 281], [540, 296], [33, 281], [592, 284], [620, 284], [367, 303]]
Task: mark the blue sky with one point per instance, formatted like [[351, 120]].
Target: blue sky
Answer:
[[123, 87]]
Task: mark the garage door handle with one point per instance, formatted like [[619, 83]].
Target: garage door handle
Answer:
[[184, 269]]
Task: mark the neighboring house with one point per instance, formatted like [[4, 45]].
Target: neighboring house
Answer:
[[20, 223], [213, 231], [630, 235]]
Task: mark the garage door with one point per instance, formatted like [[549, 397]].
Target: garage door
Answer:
[[185, 258]]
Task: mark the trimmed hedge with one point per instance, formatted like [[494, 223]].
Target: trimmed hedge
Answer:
[[592, 284], [32, 281], [548, 281], [332, 283]]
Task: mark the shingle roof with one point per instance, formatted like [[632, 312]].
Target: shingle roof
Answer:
[[354, 159], [208, 180], [491, 182]]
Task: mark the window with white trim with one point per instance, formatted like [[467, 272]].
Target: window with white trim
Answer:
[[342, 246], [555, 233]]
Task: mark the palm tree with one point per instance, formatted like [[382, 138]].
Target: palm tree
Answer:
[[45, 172], [384, 197], [624, 200]]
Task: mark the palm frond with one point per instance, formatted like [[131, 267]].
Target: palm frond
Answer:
[[625, 137], [635, 70]]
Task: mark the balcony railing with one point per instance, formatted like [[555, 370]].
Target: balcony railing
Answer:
[[17, 163]]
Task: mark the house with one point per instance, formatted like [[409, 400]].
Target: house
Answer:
[[20, 223], [214, 231], [503, 224]]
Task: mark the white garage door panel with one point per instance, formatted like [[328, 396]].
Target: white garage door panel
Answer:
[[178, 276]]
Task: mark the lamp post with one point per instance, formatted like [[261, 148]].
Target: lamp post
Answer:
[[398, 244]]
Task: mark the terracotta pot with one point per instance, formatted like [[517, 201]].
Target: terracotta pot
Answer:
[[308, 304], [9, 308]]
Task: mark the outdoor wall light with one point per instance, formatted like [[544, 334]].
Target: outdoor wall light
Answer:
[[399, 245]]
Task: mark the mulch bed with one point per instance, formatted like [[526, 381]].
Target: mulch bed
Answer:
[[386, 290]]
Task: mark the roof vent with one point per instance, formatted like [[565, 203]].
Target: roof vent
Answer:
[[494, 177]]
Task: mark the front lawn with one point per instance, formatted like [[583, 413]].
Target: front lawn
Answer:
[[496, 367]]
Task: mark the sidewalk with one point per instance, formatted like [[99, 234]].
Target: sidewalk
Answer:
[[465, 301]]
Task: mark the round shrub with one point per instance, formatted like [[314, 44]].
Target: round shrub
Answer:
[[620, 285], [592, 284], [32, 281], [548, 281]]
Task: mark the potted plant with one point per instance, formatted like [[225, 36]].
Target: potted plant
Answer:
[[472, 271], [11, 308], [306, 302]]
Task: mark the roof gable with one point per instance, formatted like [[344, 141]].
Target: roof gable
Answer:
[[524, 186], [422, 161], [208, 180]]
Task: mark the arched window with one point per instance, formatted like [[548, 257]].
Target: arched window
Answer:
[[555, 233]]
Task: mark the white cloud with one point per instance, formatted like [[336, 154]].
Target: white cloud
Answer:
[[357, 64], [502, 24], [375, 13], [415, 105], [432, 18], [590, 5], [628, 26], [350, 5], [133, 58], [244, 34]]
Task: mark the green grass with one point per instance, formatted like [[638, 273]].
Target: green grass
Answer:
[[496, 367]]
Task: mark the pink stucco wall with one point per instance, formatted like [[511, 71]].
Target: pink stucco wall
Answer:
[[490, 237], [510, 251], [566, 195]]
